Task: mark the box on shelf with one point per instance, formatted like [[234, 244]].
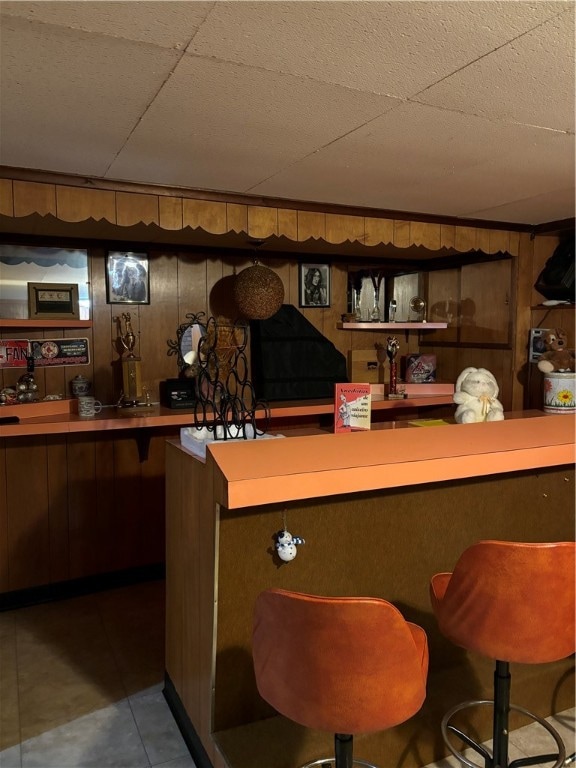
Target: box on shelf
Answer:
[[363, 365], [420, 369]]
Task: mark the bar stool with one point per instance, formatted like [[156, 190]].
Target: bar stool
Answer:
[[345, 665], [510, 602]]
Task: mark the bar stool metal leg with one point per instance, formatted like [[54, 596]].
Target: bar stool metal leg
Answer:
[[490, 760], [343, 758]]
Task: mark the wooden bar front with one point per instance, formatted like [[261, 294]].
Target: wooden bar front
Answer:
[[380, 512]]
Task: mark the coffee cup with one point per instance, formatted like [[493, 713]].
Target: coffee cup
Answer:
[[88, 407]]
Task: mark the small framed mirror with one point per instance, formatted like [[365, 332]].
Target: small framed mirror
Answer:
[[187, 345]]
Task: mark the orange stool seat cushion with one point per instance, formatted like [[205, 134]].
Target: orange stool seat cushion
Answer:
[[510, 601], [338, 664]]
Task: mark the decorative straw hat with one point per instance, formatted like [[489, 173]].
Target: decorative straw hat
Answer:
[[258, 292]]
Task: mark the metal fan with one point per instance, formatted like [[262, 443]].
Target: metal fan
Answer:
[[418, 306]]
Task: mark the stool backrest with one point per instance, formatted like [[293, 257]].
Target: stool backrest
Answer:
[[510, 601], [338, 664]]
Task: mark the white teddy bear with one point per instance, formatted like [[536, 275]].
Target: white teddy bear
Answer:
[[476, 394]]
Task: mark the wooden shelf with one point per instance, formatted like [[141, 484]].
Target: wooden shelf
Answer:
[[18, 323], [389, 326]]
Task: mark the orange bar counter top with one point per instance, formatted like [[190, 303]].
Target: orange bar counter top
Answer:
[[389, 455], [60, 416]]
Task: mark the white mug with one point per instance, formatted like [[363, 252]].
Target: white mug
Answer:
[[88, 407]]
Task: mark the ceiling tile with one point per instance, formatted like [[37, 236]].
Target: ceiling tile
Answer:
[[226, 126], [395, 48], [75, 114], [496, 86], [165, 23]]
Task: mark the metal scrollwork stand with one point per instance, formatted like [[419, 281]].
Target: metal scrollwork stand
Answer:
[[226, 403]]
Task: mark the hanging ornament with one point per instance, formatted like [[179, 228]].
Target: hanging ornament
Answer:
[[286, 543], [258, 292]]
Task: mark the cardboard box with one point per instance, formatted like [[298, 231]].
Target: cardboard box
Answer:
[[363, 365]]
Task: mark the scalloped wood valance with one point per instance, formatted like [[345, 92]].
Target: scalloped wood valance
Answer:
[[58, 210]]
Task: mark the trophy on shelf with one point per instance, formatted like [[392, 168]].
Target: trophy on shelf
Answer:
[[131, 365], [392, 347]]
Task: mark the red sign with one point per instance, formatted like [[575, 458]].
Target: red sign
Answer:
[[13, 353]]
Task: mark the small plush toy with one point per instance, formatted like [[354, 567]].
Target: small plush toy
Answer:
[[476, 395], [557, 356]]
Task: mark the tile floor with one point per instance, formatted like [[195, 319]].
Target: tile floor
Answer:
[[81, 687], [81, 684]]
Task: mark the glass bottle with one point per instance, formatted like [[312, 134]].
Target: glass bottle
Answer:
[[375, 314]]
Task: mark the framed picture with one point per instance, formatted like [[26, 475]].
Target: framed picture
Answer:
[[314, 281], [56, 301], [127, 278]]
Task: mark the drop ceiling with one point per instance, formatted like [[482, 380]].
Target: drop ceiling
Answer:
[[461, 109]]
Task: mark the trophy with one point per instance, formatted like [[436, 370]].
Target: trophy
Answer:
[[392, 350], [131, 365]]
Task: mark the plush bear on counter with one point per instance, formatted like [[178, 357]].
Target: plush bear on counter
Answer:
[[476, 395], [557, 356]]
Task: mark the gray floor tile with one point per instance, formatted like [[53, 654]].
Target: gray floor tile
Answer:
[[11, 757], [160, 734], [107, 738]]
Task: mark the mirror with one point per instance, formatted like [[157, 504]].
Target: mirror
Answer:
[[383, 292], [186, 347], [23, 264]]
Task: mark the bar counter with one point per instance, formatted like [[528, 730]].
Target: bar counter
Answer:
[[380, 513], [60, 416]]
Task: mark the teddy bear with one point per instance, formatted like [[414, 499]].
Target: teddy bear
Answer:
[[476, 395], [557, 356]]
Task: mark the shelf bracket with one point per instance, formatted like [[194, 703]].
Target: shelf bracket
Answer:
[[143, 443]]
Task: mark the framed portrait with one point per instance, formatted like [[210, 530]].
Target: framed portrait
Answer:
[[55, 301], [314, 281], [127, 278]]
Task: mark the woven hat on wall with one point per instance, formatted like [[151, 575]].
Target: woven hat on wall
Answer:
[[258, 292]]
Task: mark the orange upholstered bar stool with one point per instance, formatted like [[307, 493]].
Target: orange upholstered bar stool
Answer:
[[510, 602], [344, 665]]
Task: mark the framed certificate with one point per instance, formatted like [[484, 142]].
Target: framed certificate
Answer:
[[56, 301]]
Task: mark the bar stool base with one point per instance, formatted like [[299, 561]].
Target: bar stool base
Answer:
[[483, 752]]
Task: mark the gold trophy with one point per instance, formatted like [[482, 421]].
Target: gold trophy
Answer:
[[131, 365]]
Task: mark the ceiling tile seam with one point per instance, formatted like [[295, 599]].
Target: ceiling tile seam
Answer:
[[492, 119], [325, 146], [387, 112], [282, 73], [516, 200], [92, 34], [144, 112], [488, 53]]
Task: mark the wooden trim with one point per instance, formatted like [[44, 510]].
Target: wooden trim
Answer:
[[44, 177], [554, 227], [86, 585]]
